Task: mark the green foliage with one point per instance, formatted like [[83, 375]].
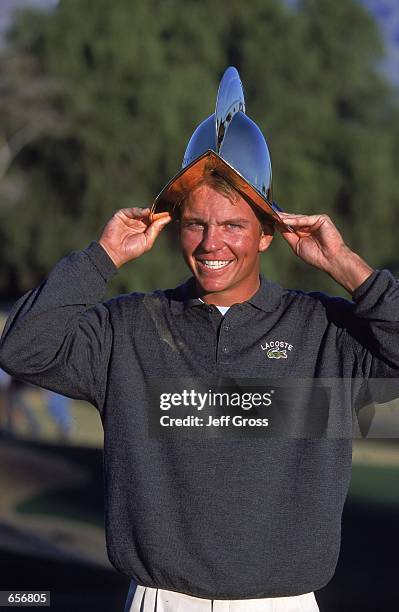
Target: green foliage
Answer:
[[105, 100]]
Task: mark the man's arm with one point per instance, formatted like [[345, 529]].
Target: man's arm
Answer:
[[58, 336], [375, 324]]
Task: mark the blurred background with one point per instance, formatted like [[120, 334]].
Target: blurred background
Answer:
[[98, 101]]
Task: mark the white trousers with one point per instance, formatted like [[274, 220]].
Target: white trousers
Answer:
[[147, 599]]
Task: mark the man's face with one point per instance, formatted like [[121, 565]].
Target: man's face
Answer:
[[220, 242]]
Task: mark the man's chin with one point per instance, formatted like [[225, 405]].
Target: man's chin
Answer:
[[214, 281], [209, 285]]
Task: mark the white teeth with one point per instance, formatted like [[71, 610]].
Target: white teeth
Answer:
[[215, 265]]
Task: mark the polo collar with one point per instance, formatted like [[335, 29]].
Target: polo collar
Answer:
[[267, 298]]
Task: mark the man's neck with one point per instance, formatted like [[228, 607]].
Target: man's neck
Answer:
[[228, 298]]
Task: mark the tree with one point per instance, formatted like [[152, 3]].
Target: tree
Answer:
[[109, 98]]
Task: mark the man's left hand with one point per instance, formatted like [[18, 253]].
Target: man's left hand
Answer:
[[317, 241]]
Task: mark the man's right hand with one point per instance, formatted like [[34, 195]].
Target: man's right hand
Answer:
[[131, 232]]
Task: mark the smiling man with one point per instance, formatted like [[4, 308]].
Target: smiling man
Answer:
[[205, 520], [221, 238]]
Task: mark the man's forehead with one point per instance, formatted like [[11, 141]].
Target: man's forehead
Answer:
[[206, 202]]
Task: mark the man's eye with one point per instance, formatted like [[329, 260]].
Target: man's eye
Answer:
[[233, 225], [192, 224]]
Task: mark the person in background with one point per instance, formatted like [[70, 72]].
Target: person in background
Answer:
[[18, 405], [59, 408]]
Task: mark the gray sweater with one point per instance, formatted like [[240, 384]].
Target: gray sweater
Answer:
[[212, 517]]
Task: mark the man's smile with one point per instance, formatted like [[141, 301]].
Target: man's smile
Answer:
[[213, 264]]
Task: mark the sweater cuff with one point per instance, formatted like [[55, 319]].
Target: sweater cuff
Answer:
[[102, 261], [369, 292]]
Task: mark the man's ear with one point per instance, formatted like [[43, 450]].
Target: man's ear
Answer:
[[266, 236]]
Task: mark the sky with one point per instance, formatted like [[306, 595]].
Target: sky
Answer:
[[8, 6], [387, 14]]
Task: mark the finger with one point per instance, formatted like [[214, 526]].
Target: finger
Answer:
[[285, 215], [303, 220], [154, 216], [155, 228], [135, 212], [290, 237], [282, 226]]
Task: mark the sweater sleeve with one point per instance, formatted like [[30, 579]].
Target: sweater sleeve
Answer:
[[376, 311], [57, 335], [376, 328]]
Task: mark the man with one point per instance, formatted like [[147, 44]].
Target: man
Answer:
[[204, 521]]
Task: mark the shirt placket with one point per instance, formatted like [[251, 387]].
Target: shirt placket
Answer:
[[224, 330]]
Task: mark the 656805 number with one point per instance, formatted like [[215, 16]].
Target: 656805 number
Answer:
[[26, 598]]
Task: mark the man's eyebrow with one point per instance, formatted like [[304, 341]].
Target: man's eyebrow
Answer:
[[241, 220], [236, 220]]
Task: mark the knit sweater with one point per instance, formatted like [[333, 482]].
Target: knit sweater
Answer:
[[214, 517]]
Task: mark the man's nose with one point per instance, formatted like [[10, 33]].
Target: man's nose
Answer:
[[212, 239]]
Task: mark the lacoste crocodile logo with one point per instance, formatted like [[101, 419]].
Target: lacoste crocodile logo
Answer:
[[276, 349], [276, 354]]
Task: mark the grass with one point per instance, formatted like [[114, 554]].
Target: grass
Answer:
[[375, 484], [76, 504]]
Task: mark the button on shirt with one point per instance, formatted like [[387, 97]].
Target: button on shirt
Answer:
[[219, 347], [212, 518]]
